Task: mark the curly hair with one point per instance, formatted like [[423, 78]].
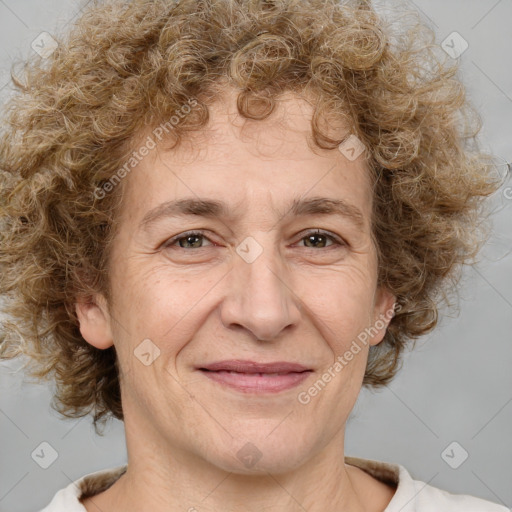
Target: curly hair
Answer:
[[127, 66]]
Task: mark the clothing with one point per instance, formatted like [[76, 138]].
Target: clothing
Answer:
[[410, 496]]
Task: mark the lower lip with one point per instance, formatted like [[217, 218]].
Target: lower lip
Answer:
[[257, 383]]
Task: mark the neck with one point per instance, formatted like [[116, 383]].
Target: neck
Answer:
[[167, 478]]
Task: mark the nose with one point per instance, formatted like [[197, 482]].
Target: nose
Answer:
[[259, 297]]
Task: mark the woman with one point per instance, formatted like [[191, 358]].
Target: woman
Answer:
[[222, 219]]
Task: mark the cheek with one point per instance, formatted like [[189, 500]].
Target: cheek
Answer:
[[159, 305], [340, 302], [157, 315]]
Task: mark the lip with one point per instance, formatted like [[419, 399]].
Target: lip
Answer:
[[245, 366], [253, 377]]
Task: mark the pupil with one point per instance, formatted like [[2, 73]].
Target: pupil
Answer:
[[187, 240], [312, 237]]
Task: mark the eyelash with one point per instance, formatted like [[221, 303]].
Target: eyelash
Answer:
[[174, 240]]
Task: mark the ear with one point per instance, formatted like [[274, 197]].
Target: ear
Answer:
[[383, 312], [94, 321]]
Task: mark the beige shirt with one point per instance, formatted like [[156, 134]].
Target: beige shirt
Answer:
[[410, 496]]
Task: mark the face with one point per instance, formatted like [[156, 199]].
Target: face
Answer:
[[242, 248]]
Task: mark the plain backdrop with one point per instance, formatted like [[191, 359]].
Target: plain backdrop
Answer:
[[455, 389]]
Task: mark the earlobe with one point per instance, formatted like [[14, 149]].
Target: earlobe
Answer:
[[383, 313], [94, 322]]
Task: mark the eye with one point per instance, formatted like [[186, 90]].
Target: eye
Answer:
[[318, 239], [190, 240]]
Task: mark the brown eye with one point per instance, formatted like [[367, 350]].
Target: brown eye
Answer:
[[319, 240], [315, 240], [192, 240]]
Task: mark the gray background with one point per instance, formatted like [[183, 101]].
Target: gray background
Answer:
[[455, 386]]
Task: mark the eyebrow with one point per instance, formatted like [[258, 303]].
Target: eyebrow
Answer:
[[214, 209], [328, 206]]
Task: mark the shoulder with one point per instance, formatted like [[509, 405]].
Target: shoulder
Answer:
[[68, 498], [416, 496], [430, 499]]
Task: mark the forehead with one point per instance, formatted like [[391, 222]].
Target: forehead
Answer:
[[235, 159]]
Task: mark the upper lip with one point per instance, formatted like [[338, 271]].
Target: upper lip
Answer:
[[243, 366]]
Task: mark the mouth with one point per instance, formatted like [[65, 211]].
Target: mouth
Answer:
[[253, 377]]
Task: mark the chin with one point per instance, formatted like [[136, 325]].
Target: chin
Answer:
[[261, 454]]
